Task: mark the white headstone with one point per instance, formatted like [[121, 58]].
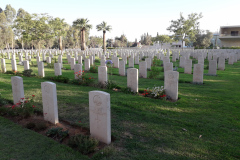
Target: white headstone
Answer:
[[212, 67], [17, 88], [188, 66], [26, 65], [87, 64], [171, 84], [102, 74], [14, 65], [57, 69], [132, 79], [198, 73], [143, 69], [41, 72], [221, 63], [49, 100], [122, 68], [100, 116]]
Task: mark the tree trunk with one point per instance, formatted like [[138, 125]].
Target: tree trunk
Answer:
[[39, 47], [104, 41], [22, 45], [12, 42], [182, 44], [83, 40], [60, 43]]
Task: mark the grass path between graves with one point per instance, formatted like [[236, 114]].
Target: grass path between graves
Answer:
[[144, 128], [23, 144]]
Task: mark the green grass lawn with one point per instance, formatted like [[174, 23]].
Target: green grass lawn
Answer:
[[144, 128]]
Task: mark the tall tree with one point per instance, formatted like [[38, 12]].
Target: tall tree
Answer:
[[3, 30], [95, 41], [83, 26], [59, 27], [162, 39], [10, 13], [41, 28], [203, 39], [104, 27], [183, 28], [24, 24]]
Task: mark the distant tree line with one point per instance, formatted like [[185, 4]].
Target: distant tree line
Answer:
[[20, 29]]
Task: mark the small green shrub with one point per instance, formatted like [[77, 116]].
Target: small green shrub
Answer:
[[127, 90], [24, 108], [83, 79], [28, 73], [83, 143], [111, 84], [94, 69], [143, 58], [57, 133], [50, 65], [97, 60], [58, 79]]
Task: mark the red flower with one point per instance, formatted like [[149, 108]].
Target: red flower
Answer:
[[89, 77], [82, 71], [145, 90], [33, 106], [33, 95], [25, 101], [146, 93], [22, 98], [79, 121], [13, 106], [143, 94]]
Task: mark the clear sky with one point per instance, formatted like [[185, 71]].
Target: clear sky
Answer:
[[134, 17]]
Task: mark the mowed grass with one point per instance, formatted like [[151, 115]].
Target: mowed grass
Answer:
[[203, 124]]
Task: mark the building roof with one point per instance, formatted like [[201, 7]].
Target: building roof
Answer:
[[237, 26]]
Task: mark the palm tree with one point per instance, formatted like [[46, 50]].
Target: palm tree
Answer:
[[82, 25], [103, 27]]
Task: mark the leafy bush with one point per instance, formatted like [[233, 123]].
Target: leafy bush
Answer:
[[24, 108], [111, 84], [94, 69], [83, 78], [127, 90], [155, 71], [28, 73], [57, 133], [50, 65], [83, 143], [143, 58], [59, 78], [97, 60]]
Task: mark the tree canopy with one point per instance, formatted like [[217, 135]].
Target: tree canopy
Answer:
[[185, 28]]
